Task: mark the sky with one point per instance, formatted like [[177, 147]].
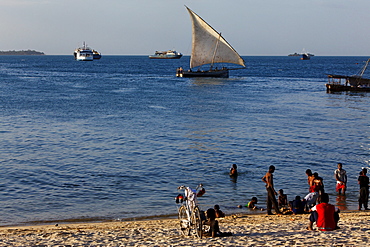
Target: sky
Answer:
[[141, 27]]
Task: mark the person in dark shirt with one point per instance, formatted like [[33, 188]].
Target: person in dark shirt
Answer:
[[363, 181], [297, 206]]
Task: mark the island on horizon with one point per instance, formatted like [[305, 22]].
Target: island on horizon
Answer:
[[22, 52]]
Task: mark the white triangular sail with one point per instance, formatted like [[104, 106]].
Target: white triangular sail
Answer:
[[208, 46]]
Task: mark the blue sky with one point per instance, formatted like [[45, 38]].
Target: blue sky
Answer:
[[140, 27]]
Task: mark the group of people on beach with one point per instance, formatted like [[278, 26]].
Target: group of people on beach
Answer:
[[316, 202]]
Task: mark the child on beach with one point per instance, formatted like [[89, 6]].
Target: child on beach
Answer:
[[282, 200], [252, 204]]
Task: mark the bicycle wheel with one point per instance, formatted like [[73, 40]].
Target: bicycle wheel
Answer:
[[196, 222], [184, 221]]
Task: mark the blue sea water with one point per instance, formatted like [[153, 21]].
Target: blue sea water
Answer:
[[113, 139]]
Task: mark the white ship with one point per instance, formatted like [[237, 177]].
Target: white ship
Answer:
[[84, 53]]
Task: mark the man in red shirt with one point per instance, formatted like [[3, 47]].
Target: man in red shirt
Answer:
[[324, 214]]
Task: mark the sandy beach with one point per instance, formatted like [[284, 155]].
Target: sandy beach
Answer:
[[248, 230]]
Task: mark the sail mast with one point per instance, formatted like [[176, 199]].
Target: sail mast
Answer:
[[214, 54], [364, 68]]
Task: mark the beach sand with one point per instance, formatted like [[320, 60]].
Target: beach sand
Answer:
[[248, 230]]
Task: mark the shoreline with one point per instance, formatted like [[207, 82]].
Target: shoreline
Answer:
[[247, 212], [247, 229]]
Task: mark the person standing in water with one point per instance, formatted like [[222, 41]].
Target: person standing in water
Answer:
[[271, 193], [310, 178], [233, 171], [341, 176], [363, 181]]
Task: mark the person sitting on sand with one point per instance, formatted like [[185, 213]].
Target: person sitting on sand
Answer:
[[233, 171], [282, 200], [218, 212], [214, 229], [297, 206], [324, 214], [311, 199]]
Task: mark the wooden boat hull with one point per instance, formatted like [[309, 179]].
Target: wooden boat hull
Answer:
[[224, 73], [341, 88], [351, 83], [338, 83]]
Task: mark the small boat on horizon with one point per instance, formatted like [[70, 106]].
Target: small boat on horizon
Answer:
[[85, 53], [351, 83], [209, 48], [305, 56], [170, 54]]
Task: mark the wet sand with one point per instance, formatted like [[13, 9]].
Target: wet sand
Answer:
[[248, 230]]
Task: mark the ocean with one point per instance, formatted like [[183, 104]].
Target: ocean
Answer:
[[112, 139]]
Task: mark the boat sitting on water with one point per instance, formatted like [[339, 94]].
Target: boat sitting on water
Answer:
[[209, 48], [305, 56], [96, 54], [357, 82], [170, 54], [85, 53]]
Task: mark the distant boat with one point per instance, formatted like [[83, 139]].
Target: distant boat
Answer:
[[85, 53], [96, 54], [295, 54], [208, 47], [349, 83], [170, 54], [306, 56]]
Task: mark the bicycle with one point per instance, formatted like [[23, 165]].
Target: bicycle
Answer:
[[189, 211]]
